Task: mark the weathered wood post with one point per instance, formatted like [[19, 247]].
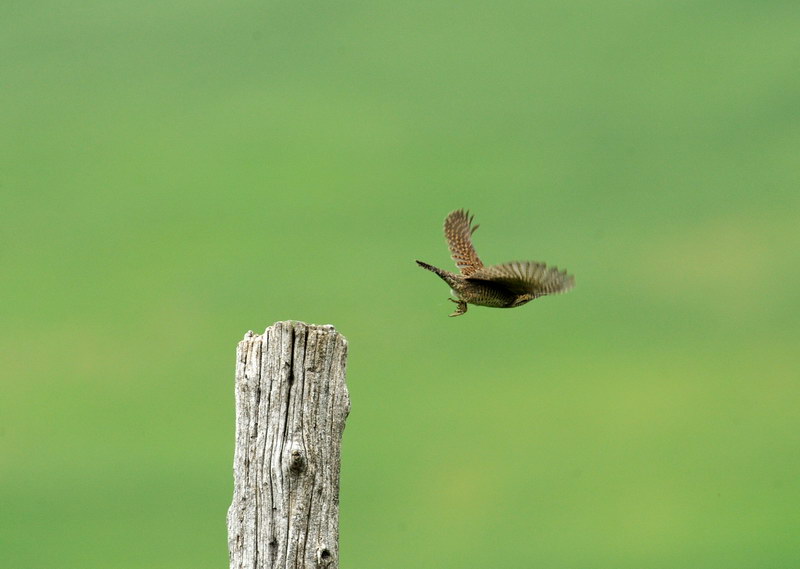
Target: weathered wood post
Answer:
[[291, 406]]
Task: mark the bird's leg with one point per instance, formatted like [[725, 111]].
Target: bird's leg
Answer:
[[461, 309]]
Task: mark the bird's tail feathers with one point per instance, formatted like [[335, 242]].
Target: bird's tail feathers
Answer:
[[447, 276], [436, 270]]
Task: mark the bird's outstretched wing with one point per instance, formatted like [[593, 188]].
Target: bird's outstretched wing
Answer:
[[458, 230], [526, 277]]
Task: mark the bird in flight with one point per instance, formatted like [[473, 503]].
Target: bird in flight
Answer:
[[499, 286]]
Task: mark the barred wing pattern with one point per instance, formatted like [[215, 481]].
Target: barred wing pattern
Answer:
[[458, 230], [526, 277]]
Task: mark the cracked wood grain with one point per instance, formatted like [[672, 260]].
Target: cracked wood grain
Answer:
[[291, 406]]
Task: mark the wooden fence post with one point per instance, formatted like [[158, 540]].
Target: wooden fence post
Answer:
[[291, 406]]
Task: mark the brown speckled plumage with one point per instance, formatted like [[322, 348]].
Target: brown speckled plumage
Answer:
[[499, 286]]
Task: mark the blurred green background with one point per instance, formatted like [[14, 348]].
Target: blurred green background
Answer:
[[174, 174]]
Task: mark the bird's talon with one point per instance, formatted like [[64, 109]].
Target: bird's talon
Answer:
[[462, 307]]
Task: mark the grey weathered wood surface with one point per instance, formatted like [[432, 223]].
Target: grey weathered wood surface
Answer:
[[291, 406]]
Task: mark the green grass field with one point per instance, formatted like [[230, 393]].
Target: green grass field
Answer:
[[175, 174]]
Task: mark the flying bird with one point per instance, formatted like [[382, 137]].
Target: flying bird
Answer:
[[499, 286]]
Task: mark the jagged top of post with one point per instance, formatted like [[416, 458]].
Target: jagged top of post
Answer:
[[294, 324]]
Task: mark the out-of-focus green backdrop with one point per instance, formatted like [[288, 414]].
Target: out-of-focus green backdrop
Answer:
[[174, 174]]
